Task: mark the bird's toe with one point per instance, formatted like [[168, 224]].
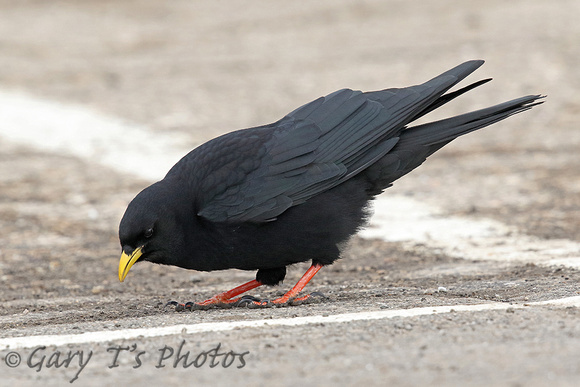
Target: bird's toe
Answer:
[[245, 301], [252, 302], [177, 305], [317, 295], [313, 297]]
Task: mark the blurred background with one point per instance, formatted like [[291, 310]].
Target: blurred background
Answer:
[[191, 70], [215, 66]]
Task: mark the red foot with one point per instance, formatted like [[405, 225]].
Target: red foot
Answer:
[[227, 298], [292, 293]]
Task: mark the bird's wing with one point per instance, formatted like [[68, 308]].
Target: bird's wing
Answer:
[[266, 170]]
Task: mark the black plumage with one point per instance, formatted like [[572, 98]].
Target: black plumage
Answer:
[[296, 190]]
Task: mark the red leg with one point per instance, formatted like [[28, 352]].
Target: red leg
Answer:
[[292, 293], [226, 297]]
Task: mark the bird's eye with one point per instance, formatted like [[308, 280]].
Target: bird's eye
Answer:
[[148, 233]]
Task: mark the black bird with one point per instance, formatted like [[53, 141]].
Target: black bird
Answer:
[[296, 190]]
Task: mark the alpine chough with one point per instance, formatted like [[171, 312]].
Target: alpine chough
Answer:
[[296, 190]]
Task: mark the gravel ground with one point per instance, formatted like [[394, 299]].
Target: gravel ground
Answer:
[[200, 69]]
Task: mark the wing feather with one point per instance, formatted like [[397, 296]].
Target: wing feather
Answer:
[[311, 150]]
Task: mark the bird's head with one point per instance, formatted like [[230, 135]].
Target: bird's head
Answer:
[[149, 229]]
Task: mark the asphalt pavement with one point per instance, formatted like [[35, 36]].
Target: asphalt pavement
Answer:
[[467, 275]]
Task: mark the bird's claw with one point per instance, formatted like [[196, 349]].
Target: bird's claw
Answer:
[[254, 302], [308, 299], [248, 301], [177, 305], [318, 295]]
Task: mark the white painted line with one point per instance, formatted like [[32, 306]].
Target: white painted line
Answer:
[[401, 219], [78, 131], [126, 334], [560, 302]]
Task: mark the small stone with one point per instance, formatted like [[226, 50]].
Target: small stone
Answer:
[[97, 289]]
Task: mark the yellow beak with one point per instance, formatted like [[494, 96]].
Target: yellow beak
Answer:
[[127, 261]]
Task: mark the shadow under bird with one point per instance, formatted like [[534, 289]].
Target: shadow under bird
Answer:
[[296, 190]]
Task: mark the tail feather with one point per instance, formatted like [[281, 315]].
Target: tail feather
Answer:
[[448, 97], [450, 128], [419, 142]]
